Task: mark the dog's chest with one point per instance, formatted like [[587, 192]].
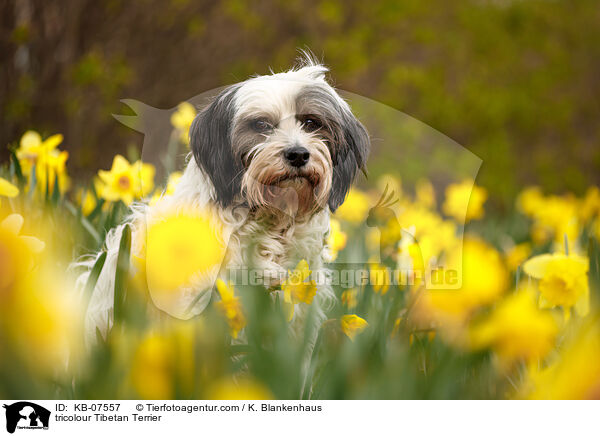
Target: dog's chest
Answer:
[[278, 247]]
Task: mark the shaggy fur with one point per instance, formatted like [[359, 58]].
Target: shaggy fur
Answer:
[[275, 211]]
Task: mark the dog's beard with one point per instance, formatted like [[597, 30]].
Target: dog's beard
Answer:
[[269, 183], [294, 195]]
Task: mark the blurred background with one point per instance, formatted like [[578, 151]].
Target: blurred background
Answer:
[[505, 91], [515, 82]]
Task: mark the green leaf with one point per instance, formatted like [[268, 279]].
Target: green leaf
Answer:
[[47, 182], [114, 215], [122, 273], [55, 193], [93, 277], [32, 181], [16, 167], [97, 209]]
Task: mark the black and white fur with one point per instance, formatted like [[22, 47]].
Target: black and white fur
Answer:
[[275, 206]]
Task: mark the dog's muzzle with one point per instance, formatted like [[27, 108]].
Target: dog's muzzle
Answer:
[[297, 156]]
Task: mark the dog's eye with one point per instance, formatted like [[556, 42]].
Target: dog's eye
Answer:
[[261, 125], [310, 124]]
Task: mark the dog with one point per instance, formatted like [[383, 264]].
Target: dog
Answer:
[[273, 157]]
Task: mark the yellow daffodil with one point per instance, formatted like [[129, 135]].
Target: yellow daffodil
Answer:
[[575, 375], [517, 254], [516, 330], [422, 219], [530, 200], [464, 201], [558, 216], [51, 169], [13, 224], [410, 259], [16, 252], [479, 265], [434, 235], [355, 208], [436, 241], [7, 189], [163, 362], [352, 325], [49, 162], [384, 218], [152, 368], [31, 148], [482, 276], [42, 316], [563, 281], [390, 182], [553, 216], [231, 307], [425, 194], [184, 250], [379, 277], [241, 389], [126, 181], [336, 239], [86, 201], [182, 120], [296, 289], [36, 310], [350, 298]]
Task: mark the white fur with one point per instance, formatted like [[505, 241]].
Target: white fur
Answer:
[[277, 247]]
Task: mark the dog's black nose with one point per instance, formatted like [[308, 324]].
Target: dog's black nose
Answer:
[[297, 156]]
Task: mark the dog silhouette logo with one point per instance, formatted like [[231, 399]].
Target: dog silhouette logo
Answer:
[[26, 415]]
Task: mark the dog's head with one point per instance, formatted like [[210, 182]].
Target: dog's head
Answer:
[[286, 142]]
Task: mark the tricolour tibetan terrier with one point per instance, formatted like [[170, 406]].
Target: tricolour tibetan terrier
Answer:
[[273, 156]]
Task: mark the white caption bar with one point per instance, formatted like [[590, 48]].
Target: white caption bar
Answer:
[[298, 417]]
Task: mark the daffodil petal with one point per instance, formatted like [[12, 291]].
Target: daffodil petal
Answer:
[[34, 244], [582, 306], [7, 189], [544, 304], [303, 269], [579, 263], [30, 139], [12, 223], [536, 266], [567, 313], [225, 291], [352, 325], [104, 176], [120, 164], [52, 142]]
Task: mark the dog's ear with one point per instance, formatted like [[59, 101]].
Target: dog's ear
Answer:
[[211, 143], [351, 156]]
